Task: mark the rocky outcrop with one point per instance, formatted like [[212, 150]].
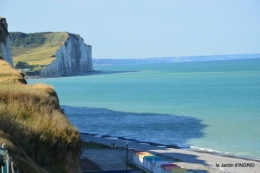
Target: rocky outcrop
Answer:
[[74, 57], [5, 45]]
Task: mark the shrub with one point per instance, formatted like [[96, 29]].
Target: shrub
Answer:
[[22, 65]]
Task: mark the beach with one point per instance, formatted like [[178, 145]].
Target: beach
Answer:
[[199, 162]]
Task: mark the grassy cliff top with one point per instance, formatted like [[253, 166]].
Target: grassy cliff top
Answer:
[[39, 137], [37, 49]]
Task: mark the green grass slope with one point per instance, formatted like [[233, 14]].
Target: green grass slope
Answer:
[[39, 137], [37, 49]]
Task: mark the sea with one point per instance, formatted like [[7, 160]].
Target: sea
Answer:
[[209, 106]]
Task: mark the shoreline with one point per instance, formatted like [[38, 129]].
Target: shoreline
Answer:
[[174, 146], [94, 72], [197, 161]]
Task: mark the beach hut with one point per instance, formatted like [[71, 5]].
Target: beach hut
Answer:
[[138, 158], [136, 155], [155, 166], [148, 160], [167, 168]]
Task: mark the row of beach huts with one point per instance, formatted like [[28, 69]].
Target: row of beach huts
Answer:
[[154, 164]]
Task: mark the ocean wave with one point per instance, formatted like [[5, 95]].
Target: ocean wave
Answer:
[[225, 154]]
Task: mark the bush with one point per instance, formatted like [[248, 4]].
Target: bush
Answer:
[[22, 65]]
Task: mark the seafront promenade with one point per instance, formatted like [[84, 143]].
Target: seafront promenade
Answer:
[[198, 162]]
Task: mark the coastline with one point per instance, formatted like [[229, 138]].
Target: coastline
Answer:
[[195, 160], [174, 146], [94, 72]]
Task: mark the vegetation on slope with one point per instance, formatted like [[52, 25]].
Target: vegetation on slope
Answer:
[[38, 135], [36, 49]]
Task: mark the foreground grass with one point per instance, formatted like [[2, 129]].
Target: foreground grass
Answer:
[[38, 135]]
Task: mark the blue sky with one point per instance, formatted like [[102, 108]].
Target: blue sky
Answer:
[[145, 28]]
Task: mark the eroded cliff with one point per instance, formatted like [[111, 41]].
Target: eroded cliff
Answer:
[[5, 45], [73, 57]]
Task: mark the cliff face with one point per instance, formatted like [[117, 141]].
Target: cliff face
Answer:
[[73, 57], [5, 45]]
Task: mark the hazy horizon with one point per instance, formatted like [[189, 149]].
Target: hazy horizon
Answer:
[[144, 29]]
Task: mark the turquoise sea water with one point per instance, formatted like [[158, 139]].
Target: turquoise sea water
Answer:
[[213, 106]]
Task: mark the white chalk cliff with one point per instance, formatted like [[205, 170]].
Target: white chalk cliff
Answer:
[[5, 44], [73, 57]]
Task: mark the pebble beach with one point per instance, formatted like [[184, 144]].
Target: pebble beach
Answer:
[[199, 162]]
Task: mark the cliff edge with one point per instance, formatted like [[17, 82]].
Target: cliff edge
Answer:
[[5, 45], [52, 54], [38, 135]]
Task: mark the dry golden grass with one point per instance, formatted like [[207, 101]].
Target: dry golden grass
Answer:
[[37, 133], [8, 75]]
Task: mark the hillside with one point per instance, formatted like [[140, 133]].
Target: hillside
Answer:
[[51, 54], [39, 137], [37, 49]]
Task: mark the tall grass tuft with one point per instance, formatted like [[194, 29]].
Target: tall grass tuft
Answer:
[[38, 134]]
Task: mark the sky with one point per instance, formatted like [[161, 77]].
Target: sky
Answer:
[[144, 28]]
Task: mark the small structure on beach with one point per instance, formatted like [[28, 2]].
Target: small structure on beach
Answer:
[[154, 164]]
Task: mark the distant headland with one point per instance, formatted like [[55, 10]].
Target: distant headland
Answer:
[[51, 54], [173, 59]]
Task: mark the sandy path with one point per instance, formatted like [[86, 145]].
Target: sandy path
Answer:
[[195, 161]]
